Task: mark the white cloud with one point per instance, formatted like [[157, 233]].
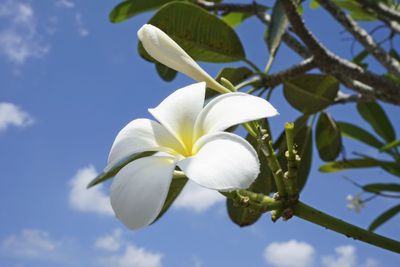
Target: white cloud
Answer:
[[12, 115], [64, 4], [19, 39], [88, 200], [110, 242], [289, 254], [133, 257], [197, 198], [30, 243], [346, 257], [82, 30]]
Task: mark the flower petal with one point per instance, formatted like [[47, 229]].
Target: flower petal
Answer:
[[142, 135], [166, 51], [224, 162], [230, 109], [178, 112], [139, 190]]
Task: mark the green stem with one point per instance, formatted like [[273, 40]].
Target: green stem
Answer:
[[255, 201], [256, 81], [273, 163], [269, 64], [252, 65], [292, 163], [310, 214]]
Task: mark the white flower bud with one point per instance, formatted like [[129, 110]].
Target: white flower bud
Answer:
[[166, 51]]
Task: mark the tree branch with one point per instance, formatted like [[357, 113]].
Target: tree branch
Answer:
[[381, 9], [292, 72], [361, 35], [343, 98], [328, 62]]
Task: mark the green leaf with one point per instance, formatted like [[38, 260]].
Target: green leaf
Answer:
[[390, 145], [380, 187], [234, 19], [328, 138], [202, 35], [178, 182], [376, 117], [354, 132], [130, 8], [234, 75], [314, 4], [391, 167], [384, 217], [276, 28], [349, 164], [240, 215], [110, 172], [356, 10], [166, 73], [310, 93]]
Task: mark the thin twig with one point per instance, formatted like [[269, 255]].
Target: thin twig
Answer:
[[362, 36]]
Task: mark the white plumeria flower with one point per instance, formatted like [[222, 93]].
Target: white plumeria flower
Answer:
[[191, 137], [355, 202], [166, 51]]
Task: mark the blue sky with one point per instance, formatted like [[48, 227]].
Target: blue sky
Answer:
[[69, 81]]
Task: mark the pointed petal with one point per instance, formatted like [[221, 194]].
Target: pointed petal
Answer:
[[139, 190], [230, 109], [224, 162], [166, 51], [178, 112], [142, 135]]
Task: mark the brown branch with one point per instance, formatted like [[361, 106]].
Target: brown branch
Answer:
[[343, 98], [290, 73], [328, 62], [362, 36], [381, 9]]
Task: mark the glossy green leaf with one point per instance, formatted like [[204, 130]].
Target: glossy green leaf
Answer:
[[328, 138], [380, 187], [349, 164], [202, 35], [376, 117], [240, 215], [234, 19], [178, 182], [276, 28], [234, 75], [110, 172], [310, 93], [384, 217], [390, 145], [166, 73], [354, 132], [130, 8]]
